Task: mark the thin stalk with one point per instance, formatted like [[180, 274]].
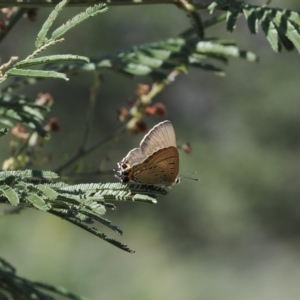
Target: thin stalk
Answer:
[[77, 3], [90, 111], [13, 21], [83, 152]]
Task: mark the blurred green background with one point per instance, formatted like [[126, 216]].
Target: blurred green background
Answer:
[[235, 234]]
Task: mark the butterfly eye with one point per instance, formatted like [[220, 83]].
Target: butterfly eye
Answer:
[[126, 166]]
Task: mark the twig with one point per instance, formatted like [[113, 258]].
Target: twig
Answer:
[[158, 87], [90, 111], [12, 22], [42, 48], [11, 61], [23, 147], [52, 3], [83, 152], [92, 173]]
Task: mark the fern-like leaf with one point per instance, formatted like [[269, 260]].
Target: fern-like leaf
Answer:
[[50, 59], [37, 202], [80, 204], [20, 109], [281, 27], [13, 286], [10, 194], [41, 37], [35, 73], [157, 60], [90, 12], [28, 174]]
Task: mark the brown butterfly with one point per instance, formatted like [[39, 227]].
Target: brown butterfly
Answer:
[[155, 162]]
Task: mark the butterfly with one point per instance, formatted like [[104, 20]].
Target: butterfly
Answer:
[[155, 162]]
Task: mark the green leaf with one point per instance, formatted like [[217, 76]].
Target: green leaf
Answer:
[[90, 12], [36, 73], [281, 27], [293, 35], [94, 231], [214, 48], [209, 67], [161, 54], [16, 287], [148, 61], [137, 69], [98, 208], [3, 131], [280, 20], [47, 191], [51, 59], [292, 16], [29, 174], [32, 112], [20, 108], [41, 37], [212, 7], [181, 52], [6, 122], [10, 194], [232, 15], [270, 30], [251, 18], [37, 202]]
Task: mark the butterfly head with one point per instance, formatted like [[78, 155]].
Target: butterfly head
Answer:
[[124, 171]]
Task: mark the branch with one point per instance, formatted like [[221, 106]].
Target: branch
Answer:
[[85, 151], [46, 3], [12, 22]]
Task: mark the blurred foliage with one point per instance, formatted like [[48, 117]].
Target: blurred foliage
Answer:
[[15, 287], [236, 233]]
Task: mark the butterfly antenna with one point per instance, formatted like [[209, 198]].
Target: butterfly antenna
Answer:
[[195, 179]]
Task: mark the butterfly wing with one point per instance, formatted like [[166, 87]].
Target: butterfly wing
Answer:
[[161, 168], [156, 161], [160, 136]]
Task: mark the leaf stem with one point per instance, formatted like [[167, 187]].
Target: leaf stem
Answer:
[[85, 151], [13, 21], [90, 111], [77, 3]]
